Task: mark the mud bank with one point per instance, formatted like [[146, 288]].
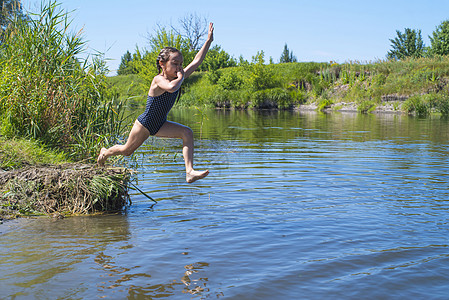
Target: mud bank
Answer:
[[60, 190]]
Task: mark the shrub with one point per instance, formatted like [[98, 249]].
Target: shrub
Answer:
[[417, 104], [230, 81]]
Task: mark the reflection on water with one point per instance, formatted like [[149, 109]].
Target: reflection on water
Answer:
[[316, 205]]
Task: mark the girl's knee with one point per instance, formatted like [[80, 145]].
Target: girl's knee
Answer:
[[187, 133]]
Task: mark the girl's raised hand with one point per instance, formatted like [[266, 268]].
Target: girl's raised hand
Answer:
[[210, 35]]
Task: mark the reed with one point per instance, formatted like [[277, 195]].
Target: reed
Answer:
[[48, 92]]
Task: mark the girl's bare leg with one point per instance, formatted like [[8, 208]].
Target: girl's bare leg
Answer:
[[175, 130], [137, 136]]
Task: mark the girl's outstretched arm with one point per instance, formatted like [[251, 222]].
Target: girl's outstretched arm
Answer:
[[199, 57]]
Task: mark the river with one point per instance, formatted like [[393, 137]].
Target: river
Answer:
[[296, 206]]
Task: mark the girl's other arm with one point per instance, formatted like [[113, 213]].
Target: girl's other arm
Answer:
[[199, 57]]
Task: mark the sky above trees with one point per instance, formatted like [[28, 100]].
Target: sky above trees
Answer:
[[313, 30]]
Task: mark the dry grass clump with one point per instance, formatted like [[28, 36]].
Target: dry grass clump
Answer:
[[63, 189]]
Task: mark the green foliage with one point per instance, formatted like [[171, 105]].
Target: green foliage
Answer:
[[16, 153], [366, 106], [168, 38], [127, 87], [261, 76], [423, 105], [230, 81], [407, 44], [144, 61], [417, 104], [216, 59], [271, 98], [440, 39], [324, 103], [47, 93], [257, 85]]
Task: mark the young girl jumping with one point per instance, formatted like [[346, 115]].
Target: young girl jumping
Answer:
[[162, 95]]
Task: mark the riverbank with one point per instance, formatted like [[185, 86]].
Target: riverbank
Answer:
[[62, 190], [390, 107], [412, 86]]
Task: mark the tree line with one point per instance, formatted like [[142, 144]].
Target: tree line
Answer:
[[187, 36], [410, 43]]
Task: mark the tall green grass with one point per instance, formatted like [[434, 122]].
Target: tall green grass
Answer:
[[16, 153], [49, 92]]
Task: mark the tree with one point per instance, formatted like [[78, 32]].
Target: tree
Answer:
[[407, 44], [217, 58], [192, 28], [126, 66], [261, 76], [440, 39], [287, 56]]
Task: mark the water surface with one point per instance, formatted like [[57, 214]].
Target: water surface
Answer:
[[297, 205]]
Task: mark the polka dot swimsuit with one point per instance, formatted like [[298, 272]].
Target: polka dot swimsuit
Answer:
[[156, 112]]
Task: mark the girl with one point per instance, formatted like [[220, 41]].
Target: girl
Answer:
[[162, 95]]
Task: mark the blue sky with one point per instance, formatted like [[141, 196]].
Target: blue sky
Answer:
[[314, 30]]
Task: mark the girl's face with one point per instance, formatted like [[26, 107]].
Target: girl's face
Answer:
[[173, 65]]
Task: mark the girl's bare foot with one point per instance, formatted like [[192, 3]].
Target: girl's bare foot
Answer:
[[193, 175], [101, 158]]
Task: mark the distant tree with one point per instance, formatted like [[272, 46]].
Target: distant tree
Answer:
[[192, 28], [164, 37], [407, 44], [242, 61], [261, 76], [126, 65], [217, 58], [440, 39], [287, 56]]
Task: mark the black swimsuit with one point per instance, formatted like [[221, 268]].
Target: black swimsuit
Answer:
[[156, 112]]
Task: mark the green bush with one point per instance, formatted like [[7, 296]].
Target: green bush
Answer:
[[230, 81], [271, 98], [417, 104]]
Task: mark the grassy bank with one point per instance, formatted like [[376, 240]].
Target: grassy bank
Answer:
[[16, 153], [421, 85], [35, 180], [415, 86]]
